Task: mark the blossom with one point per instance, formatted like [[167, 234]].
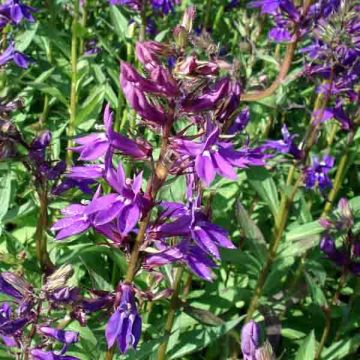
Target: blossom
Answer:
[[285, 146], [165, 6], [64, 336], [11, 54], [267, 6], [317, 173], [134, 87], [124, 325], [126, 205], [78, 218], [16, 11], [250, 340], [213, 156], [191, 255], [38, 354], [97, 145], [191, 222]]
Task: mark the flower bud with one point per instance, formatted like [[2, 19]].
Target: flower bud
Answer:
[[188, 18], [181, 36], [250, 340], [58, 279]]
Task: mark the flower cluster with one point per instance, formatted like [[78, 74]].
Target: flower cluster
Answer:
[[194, 113], [340, 243], [12, 13], [23, 316], [333, 57], [293, 21]]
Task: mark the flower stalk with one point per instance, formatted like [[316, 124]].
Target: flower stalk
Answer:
[[174, 305], [73, 90]]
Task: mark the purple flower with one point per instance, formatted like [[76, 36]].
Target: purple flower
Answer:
[[134, 87], [16, 11], [10, 327], [215, 156], [126, 205], [196, 259], [87, 172], [317, 173], [327, 246], [192, 223], [11, 54], [285, 146], [124, 325], [280, 34], [250, 340], [78, 218], [267, 6], [13, 285], [240, 122], [64, 336], [96, 145], [38, 354], [165, 6], [209, 99]]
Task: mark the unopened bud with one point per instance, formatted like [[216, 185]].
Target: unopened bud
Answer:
[[180, 36], [59, 278], [188, 18]]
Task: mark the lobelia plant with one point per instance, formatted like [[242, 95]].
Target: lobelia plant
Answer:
[[190, 109]]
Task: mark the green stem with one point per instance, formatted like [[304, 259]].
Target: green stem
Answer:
[[327, 310], [174, 305], [40, 234], [284, 209], [284, 69], [45, 112], [73, 94], [207, 14], [340, 175], [280, 223], [218, 17], [83, 24]]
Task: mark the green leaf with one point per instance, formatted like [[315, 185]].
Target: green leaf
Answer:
[[5, 194], [251, 231], [316, 293], [119, 21], [91, 106], [203, 316], [261, 180], [24, 38], [341, 349], [307, 348], [202, 336]]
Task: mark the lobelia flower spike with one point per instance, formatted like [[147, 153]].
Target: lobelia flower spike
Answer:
[[124, 325], [175, 94]]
